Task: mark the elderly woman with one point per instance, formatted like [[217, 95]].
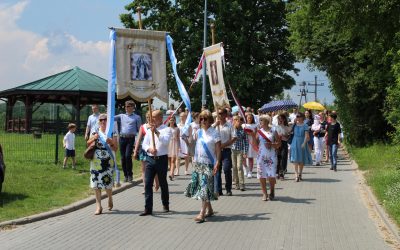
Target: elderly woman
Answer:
[[269, 142], [206, 163], [101, 170], [299, 151]]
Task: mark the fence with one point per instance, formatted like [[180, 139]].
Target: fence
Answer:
[[43, 145]]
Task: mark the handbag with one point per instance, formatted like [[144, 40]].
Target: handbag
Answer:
[[290, 139], [89, 152]]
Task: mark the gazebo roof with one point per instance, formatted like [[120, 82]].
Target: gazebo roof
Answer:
[[73, 80]]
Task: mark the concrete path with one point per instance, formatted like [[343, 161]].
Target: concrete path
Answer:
[[325, 211]]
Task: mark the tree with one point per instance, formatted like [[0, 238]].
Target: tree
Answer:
[[254, 34], [350, 40]]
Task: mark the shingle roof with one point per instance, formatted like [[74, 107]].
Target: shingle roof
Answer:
[[74, 79]]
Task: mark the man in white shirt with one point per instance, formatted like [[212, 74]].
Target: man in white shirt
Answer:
[[156, 161], [228, 137], [292, 116], [92, 123]]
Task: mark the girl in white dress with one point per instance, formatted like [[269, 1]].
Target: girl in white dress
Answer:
[[183, 143], [250, 127], [268, 143], [173, 147]]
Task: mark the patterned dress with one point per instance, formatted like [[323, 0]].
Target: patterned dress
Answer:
[[266, 159], [201, 186], [101, 171]]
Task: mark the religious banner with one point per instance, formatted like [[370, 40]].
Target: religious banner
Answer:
[[213, 56], [141, 64]]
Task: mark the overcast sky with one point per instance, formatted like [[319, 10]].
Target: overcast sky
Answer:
[[39, 38]]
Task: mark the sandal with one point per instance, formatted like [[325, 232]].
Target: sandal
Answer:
[[99, 211], [199, 219], [272, 195], [300, 177], [264, 198], [209, 214], [110, 205]]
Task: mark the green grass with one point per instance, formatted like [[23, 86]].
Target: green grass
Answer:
[[382, 163], [34, 183]]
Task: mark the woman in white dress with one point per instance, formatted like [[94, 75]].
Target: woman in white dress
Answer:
[[250, 127], [173, 147], [268, 143], [184, 142]]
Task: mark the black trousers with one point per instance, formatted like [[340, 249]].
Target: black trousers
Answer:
[[126, 148], [159, 167]]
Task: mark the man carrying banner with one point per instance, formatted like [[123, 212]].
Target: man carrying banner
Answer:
[[156, 161], [228, 137]]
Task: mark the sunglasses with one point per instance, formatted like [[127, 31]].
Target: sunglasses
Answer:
[[203, 119], [129, 106], [102, 120]]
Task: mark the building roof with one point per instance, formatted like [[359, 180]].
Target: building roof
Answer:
[[73, 80]]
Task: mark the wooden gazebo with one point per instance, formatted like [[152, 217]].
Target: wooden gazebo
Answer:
[[75, 86]]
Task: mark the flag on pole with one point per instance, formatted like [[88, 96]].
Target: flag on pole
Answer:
[[216, 77]]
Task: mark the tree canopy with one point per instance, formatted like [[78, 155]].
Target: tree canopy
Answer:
[[255, 36], [351, 40]]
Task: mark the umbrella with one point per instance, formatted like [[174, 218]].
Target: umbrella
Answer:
[[313, 105], [278, 105], [236, 109]]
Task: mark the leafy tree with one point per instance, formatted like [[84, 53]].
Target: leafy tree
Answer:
[[350, 40], [254, 34]]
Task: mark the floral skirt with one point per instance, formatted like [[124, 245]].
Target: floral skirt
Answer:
[[201, 186], [101, 174]]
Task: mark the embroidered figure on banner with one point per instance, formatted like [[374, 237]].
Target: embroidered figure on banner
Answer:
[[214, 73], [141, 67]]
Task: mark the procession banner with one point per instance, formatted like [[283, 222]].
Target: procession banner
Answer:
[[141, 65], [215, 73]]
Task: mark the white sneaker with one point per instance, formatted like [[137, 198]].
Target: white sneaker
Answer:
[[245, 170], [249, 175]]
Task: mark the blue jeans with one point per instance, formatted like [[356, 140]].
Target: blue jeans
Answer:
[[226, 165], [333, 154], [126, 148]]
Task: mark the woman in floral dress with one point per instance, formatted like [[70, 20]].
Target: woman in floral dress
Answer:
[[101, 170], [267, 160], [206, 163]]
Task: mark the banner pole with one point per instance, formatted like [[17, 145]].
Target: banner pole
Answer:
[[139, 13]]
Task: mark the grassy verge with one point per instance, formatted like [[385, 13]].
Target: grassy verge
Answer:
[[382, 163], [39, 185]]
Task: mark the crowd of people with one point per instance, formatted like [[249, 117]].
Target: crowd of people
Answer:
[[214, 142]]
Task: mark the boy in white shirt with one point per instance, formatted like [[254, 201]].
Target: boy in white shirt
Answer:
[[69, 145]]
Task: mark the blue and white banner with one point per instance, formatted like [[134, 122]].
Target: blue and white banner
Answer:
[[112, 66], [181, 87]]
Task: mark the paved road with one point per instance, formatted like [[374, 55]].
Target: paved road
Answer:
[[324, 211]]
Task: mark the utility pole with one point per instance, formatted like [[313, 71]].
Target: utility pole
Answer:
[[315, 84], [303, 92], [203, 90]]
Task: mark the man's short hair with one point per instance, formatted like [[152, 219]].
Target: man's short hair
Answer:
[[333, 115], [156, 113], [130, 103]]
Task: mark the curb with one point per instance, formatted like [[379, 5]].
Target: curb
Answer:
[[381, 212], [67, 209]]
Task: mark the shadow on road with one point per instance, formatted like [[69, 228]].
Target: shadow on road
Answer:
[[238, 217], [289, 199]]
